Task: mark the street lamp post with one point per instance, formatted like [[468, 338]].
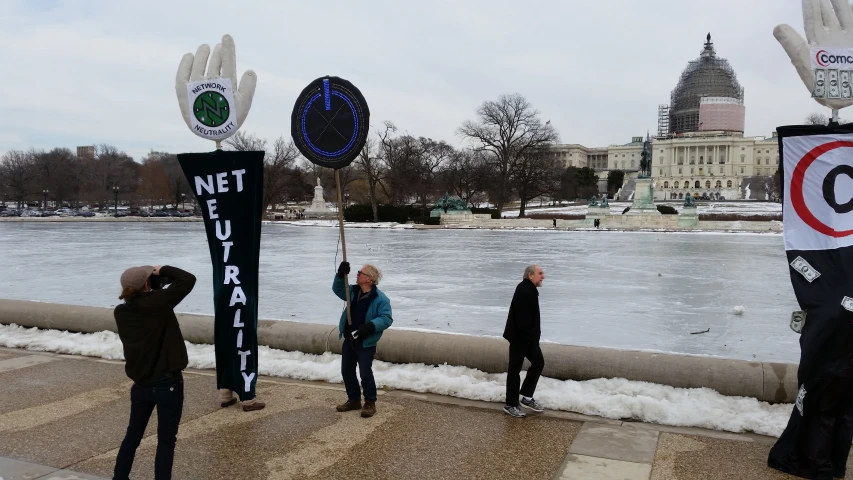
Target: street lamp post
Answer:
[[346, 199], [44, 204], [115, 190], [183, 202]]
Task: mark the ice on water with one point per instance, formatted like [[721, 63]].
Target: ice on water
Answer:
[[600, 289]]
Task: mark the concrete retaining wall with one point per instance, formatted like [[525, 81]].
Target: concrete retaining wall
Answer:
[[101, 219], [772, 382], [622, 222]]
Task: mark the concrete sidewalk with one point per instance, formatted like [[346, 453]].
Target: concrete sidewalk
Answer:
[[63, 417]]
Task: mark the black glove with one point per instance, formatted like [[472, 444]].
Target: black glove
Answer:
[[365, 330], [348, 332], [343, 269]]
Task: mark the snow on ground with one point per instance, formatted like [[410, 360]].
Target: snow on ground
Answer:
[[614, 398], [334, 223], [616, 208]]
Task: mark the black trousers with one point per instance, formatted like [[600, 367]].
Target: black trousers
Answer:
[[517, 353], [168, 397], [816, 443]]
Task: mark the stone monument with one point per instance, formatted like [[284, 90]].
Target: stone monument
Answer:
[[595, 210], [449, 206], [644, 192], [688, 217], [318, 206]]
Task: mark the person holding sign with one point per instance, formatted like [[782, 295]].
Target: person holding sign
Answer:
[[815, 160], [371, 315], [229, 188], [329, 126]]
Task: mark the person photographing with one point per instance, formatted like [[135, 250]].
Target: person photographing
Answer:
[[155, 356], [370, 311]]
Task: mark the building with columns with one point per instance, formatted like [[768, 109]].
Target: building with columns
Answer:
[[715, 164]]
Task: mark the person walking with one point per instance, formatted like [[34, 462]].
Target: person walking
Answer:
[[370, 312], [523, 331], [155, 356]]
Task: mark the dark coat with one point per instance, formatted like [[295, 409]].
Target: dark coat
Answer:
[[522, 323], [149, 331]]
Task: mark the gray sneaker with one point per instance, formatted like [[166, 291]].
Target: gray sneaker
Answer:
[[532, 405], [514, 412]]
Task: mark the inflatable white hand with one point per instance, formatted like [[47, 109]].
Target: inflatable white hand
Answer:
[[211, 104], [824, 60]]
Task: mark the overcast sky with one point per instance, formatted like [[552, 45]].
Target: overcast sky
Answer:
[[102, 71]]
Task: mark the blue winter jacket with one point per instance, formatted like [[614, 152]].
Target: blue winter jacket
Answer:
[[379, 312]]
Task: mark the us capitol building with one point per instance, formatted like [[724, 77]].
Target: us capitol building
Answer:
[[699, 148]]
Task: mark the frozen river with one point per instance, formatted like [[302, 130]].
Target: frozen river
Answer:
[[610, 289]]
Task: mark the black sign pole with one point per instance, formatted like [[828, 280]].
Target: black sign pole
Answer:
[[343, 239]]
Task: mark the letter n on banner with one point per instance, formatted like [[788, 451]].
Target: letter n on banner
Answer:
[[229, 190]]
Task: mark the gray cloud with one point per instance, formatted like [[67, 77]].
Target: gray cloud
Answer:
[[83, 72]]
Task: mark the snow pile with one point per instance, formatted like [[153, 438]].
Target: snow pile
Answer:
[[615, 398], [703, 207], [334, 223]]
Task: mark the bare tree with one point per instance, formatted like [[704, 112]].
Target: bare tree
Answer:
[[429, 163], [57, 172], [154, 181], [176, 186], [466, 175], [110, 168], [507, 128], [17, 174], [817, 118], [246, 142], [372, 168], [537, 171], [278, 168], [401, 156]]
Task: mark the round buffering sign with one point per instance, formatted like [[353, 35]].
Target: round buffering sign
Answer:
[[330, 122]]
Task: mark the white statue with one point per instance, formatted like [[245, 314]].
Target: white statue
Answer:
[[318, 204]]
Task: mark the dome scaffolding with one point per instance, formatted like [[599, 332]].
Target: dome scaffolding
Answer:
[[707, 76]]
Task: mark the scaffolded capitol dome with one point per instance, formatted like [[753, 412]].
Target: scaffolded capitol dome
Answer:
[[707, 76]]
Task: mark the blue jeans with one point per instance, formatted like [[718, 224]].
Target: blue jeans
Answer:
[[354, 354], [168, 397]]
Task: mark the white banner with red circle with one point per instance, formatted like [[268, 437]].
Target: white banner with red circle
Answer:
[[818, 201]]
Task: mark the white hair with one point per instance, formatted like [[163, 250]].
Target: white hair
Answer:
[[529, 270], [371, 271]]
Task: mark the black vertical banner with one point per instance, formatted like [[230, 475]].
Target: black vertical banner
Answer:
[[229, 188], [817, 171]]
